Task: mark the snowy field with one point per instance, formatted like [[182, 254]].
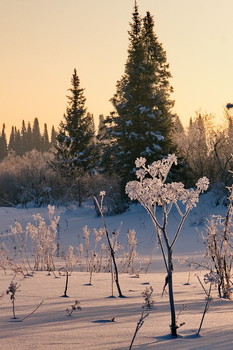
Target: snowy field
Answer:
[[105, 322]]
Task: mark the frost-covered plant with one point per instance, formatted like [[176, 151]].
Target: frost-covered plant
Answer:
[[4, 259], [12, 289], [43, 237], [86, 234], [213, 279], [110, 245], [8, 259], [80, 250], [96, 260], [92, 265], [93, 258], [129, 263], [219, 247], [147, 295], [152, 191], [71, 260], [19, 238]]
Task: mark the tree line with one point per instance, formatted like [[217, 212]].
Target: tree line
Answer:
[[140, 125], [84, 161], [26, 139]]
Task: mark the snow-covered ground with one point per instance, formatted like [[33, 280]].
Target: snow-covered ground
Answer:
[[92, 328]]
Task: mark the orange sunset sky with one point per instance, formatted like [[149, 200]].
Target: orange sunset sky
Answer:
[[43, 41]]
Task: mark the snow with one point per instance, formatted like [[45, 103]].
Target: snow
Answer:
[[92, 328]]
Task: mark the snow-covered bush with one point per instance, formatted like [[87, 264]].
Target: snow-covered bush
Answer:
[[43, 238], [28, 178], [152, 191]]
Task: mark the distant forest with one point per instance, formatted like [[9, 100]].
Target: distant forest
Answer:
[[26, 139]]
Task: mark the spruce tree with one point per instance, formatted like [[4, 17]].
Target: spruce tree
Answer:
[[45, 145], [142, 122], [24, 137], [36, 135], [75, 148], [53, 137], [3, 144], [75, 151], [29, 138], [178, 126], [18, 143], [75, 138], [11, 145]]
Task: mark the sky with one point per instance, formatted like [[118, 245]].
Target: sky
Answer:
[[43, 41]]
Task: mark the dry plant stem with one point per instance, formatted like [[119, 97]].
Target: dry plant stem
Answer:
[[207, 304], [167, 255], [13, 288], [168, 261], [67, 279], [112, 252], [112, 277], [152, 191], [32, 311], [139, 325]]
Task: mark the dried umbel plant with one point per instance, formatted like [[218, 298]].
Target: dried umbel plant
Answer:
[[218, 239], [111, 247], [148, 302], [74, 307], [130, 255], [43, 237], [12, 289], [93, 258], [213, 279], [147, 295], [152, 191], [66, 273], [20, 241]]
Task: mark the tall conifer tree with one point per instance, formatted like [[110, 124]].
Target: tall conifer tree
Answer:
[[11, 145], [75, 139], [53, 137], [36, 135], [18, 142], [29, 138], [45, 140], [142, 122], [3, 144]]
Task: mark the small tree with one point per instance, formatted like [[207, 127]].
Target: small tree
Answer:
[[152, 191]]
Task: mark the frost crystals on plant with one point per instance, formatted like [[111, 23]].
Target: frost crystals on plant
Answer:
[[151, 191]]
